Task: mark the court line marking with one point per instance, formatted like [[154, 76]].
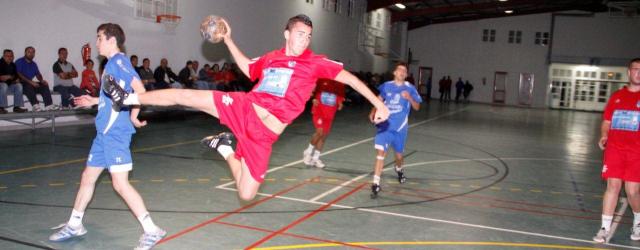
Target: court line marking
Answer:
[[432, 243], [349, 145], [61, 163]]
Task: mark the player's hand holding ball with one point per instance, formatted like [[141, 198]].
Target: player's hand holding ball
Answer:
[[214, 29]]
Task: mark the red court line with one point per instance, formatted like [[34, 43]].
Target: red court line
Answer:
[[290, 234], [222, 216], [304, 218]]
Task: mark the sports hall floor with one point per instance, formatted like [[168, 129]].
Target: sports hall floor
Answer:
[[480, 177]]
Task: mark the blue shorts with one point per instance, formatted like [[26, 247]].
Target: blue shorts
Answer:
[[112, 152], [395, 139]]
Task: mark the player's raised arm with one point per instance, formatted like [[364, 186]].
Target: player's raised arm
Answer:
[[381, 113]]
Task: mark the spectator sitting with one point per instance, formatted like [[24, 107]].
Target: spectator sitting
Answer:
[[90, 84], [205, 81], [28, 69], [229, 78], [63, 74], [9, 82], [165, 77], [146, 75], [184, 76], [134, 63], [194, 71]]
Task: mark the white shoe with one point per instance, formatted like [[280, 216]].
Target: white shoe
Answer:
[[148, 240], [37, 108], [67, 232], [318, 163], [306, 158], [603, 236], [51, 107], [635, 232]]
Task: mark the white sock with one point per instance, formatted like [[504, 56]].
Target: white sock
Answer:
[[376, 180], [606, 222], [132, 99], [316, 155], [309, 149], [225, 151], [398, 168], [636, 218], [147, 223], [76, 218]]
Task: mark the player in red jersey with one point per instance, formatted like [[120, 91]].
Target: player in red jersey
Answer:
[[328, 99], [620, 139], [287, 78]]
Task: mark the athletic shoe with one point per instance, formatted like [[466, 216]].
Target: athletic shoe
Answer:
[[375, 189], [635, 232], [67, 232], [37, 108], [19, 110], [602, 236], [214, 141], [306, 158], [3, 111], [318, 163], [116, 92], [148, 240], [51, 107], [401, 177]]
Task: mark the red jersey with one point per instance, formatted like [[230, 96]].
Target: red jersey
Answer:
[[623, 111], [329, 95], [90, 82], [286, 82]]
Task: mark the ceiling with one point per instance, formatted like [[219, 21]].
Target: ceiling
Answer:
[[419, 13]]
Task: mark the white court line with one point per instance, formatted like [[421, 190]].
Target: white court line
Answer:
[[619, 214], [444, 221], [322, 195], [346, 146]]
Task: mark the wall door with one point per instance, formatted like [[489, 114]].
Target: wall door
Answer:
[[500, 87], [525, 89], [424, 81]]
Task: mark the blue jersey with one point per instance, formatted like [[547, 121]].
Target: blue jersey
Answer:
[[398, 106], [110, 121]]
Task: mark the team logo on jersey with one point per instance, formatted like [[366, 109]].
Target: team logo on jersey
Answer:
[[227, 100], [617, 100], [291, 64], [604, 168], [638, 104]]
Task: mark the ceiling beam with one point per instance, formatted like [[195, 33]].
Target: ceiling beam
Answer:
[[590, 7], [377, 4], [402, 15]]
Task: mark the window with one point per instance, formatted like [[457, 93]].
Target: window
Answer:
[[542, 38], [488, 35], [515, 36], [331, 5]]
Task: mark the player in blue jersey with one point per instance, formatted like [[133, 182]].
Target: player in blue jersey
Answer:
[[399, 96], [110, 149]]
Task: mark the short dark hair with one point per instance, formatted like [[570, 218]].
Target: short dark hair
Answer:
[[7, 51], [634, 60], [61, 49], [398, 64], [90, 61], [27, 48], [302, 18], [189, 62], [145, 59], [113, 30], [133, 56]]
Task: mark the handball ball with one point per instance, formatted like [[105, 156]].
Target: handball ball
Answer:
[[212, 29]]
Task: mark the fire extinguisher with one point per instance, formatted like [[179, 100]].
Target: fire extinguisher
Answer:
[[86, 53]]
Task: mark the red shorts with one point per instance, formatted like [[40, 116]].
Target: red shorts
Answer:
[[621, 164], [254, 139], [322, 118]]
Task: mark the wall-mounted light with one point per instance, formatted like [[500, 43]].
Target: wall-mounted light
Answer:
[[508, 11], [400, 6]]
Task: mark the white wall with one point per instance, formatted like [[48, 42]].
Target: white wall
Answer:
[[456, 49], [257, 28]]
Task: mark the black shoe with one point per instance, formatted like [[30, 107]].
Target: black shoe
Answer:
[[3, 111], [375, 189], [214, 141], [401, 177], [111, 87], [19, 110]]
